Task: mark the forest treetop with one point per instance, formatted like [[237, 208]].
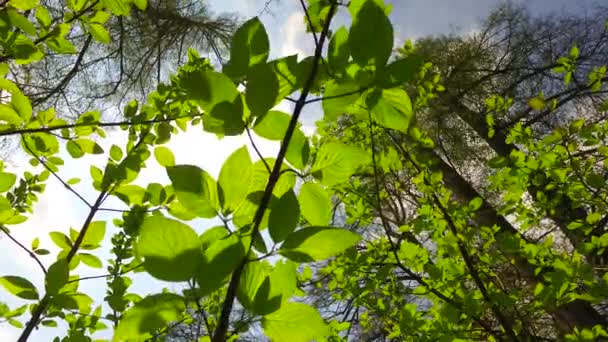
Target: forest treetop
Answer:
[[455, 188]]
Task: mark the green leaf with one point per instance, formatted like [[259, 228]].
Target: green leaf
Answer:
[[391, 108], [286, 70], [131, 194], [338, 52], [21, 22], [146, 316], [117, 7], [336, 162], [90, 260], [99, 33], [24, 5], [141, 4], [371, 36], [22, 105], [15, 323], [284, 216], [226, 118], [536, 103], [43, 16], [76, 5], [315, 204], [339, 99], [74, 150], [317, 243], [400, 71], [157, 194], [35, 243], [177, 210], [208, 87], [196, 190], [57, 276], [295, 322], [298, 150], [220, 259], [61, 45], [61, 240], [7, 180], [574, 52], [164, 156], [42, 252], [17, 312], [272, 125], [252, 277], [250, 46], [116, 153], [276, 289], [25, 52], [94, 235], [212, 235], [262, 89], [87, 120], [171, 249], [79, 147], [49, 323], [9, 115], [20, 287], [475, 204], [245, 213], [234, 180], [100, 17], [71, 300]]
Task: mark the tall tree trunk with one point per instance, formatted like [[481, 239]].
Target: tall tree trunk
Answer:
[[577, 313], [566, 210]]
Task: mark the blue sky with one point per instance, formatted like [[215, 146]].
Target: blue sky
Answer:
[[58, 210]]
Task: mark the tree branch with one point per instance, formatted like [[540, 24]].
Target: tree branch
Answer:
[[220, 332]]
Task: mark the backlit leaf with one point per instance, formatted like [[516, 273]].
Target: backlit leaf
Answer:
[[250, 46], [338, 50], [146, 316], [57, 276], [371, 36], [196, 190], [336, 162], [295, 322], [61, 240], [171, 249], [315, 204], [391, 108], [317, 243], [20, 287], [234, 180], [7, 180], [164, 156], [262, 89], [219, 260], [284, 216]]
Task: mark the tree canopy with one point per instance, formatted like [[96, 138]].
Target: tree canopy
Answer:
[[454, 189]]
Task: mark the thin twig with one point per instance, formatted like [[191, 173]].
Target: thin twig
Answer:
[[44, 302], [106, 275], [358, 91], [32, 255], [65, 184], [94, 124], [312, 29], [255, 148]]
